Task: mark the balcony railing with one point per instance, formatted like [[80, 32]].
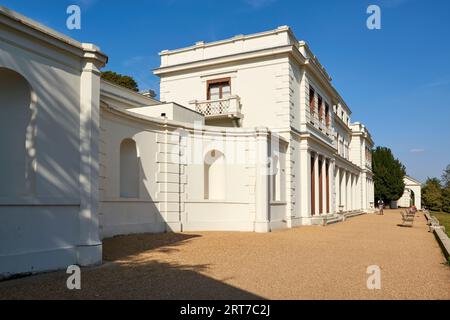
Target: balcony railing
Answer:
[[229, 107], [320, 123]]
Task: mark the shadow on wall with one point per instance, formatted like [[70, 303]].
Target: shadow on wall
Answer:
[[16, 139], [49, 119], [39, 164]]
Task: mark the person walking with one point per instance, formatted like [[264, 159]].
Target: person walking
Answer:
[[381, 206]]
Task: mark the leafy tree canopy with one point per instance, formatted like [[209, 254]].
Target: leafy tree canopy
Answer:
[[121, 80], [388, 175], [432, 194], [446, 177], [446, 200]]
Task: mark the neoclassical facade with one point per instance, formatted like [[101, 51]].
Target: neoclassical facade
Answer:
[[249, 134]]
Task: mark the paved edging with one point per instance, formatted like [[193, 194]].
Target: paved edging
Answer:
[[439, 233]]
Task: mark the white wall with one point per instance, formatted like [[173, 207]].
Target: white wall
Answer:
[[49, 99], [412, 188], [261, 86], [171, 111], [173, 192]]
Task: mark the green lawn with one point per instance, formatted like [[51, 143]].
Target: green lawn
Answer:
[[444, 219]]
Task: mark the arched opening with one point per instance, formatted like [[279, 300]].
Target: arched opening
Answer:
[[129, 169], [412, 198], [215, 175], [276, 179], [16, 135]]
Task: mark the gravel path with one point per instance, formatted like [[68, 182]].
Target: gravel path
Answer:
[[303, 263]]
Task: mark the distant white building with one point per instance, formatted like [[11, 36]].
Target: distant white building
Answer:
[[412, 194], [249, 135]]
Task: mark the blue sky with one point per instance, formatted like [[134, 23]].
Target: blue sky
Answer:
[[396, 80]]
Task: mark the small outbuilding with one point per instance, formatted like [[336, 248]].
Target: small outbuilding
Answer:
[[411, 195]]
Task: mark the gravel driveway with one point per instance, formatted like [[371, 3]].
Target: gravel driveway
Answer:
[[303, 263]]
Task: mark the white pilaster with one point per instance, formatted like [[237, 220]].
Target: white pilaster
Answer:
[[305, 182], [332, 191], [262, 181], [352, 191], [344, 190], [324, 184], [338, 189], [89, 249], [316, 179]]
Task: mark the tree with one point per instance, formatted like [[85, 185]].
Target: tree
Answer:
[[121, 80], [388, 175], [446, 189], [432, 194], [446, 177], [446, 199]]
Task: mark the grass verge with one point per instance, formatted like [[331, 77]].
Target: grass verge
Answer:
[[444, 220]]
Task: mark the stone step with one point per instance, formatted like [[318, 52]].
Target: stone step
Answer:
[[334, 219], [352, 214]]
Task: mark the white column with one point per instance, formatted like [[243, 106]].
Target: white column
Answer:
[[363, 189], [350, 190], [349, 194], [332, 191], [262, 181], [358, 192], [316, 179], [89, 249], [372, 192], [305, 182], [367, 203], [324, 185], [344, 190], [354, 193], [338, 189]]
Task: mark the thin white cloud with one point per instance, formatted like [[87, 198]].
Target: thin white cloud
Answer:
[[435, 84], [418, 150]]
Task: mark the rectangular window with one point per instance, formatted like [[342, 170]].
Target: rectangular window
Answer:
[[218, 89], [338, 144], [319, 99], [327, 114], [311, 100]]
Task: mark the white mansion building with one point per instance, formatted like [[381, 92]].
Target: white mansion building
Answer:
[[249, 135]]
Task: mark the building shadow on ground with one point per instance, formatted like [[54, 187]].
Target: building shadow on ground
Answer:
[[128, 274], [123, 247]]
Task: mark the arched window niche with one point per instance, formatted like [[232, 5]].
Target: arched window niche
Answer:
[[215, 175], [276, 178], [277, 174], [17, 135], [129, 169]]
